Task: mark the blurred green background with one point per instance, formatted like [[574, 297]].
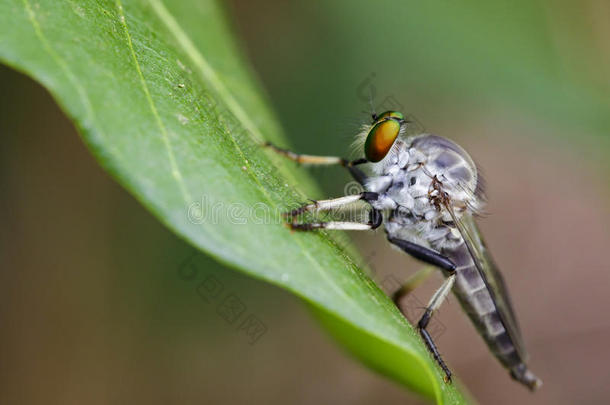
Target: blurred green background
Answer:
[[96, 306]]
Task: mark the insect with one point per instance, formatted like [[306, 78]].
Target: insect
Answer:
[[426, 190]]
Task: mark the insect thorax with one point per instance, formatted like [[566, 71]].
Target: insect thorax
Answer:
[[413, 181]]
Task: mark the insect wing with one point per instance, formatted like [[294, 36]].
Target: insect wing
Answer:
[[491, 276]]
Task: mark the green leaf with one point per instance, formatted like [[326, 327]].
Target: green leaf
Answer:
[[162, 98]]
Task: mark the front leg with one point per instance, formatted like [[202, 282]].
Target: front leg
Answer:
[[333, 203], [375, 216], [350, 165]]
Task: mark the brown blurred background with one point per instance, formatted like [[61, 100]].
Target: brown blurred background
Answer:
[[96, 305]]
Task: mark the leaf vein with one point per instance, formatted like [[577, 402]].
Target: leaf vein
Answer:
[[205, 69], [164, 135]]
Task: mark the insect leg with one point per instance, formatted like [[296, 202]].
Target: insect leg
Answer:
[[411, 284], [375, 216], [336, 225], [425, 254], [435, 302], [356, 173], [375, 220], [327, 205]]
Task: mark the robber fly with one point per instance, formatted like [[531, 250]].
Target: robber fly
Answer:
[[425, 190]]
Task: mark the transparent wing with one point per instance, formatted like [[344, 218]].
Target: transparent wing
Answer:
[[491, 275]]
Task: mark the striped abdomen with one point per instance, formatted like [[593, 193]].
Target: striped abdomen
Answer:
[[476, 300]]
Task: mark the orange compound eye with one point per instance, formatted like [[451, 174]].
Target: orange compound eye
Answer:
[[380, 139]]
